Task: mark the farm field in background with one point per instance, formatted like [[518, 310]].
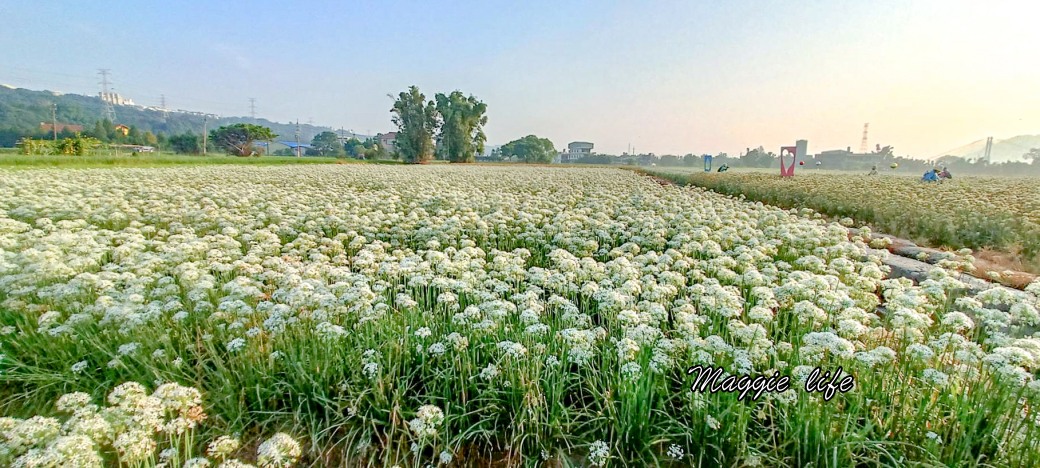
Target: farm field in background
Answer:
[[1002, 214], [117, 159], [454, 315]]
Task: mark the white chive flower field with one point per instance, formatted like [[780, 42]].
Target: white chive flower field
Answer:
[[462, 315]]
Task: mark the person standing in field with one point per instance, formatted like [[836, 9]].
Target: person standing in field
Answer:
[[873, 170]]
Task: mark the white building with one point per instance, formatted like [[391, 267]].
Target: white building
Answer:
[[388, 141], [575, 151], [116, 99]]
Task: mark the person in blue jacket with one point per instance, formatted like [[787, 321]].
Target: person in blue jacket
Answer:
[[930, 176]]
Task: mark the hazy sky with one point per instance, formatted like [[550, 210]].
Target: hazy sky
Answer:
[[665, 77]]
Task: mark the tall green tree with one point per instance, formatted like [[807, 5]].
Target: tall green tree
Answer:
[[238, 138], [462, 126], [99, 131], [529, 149], [327, 144], [416, 121], [186, 143], [134, 136]]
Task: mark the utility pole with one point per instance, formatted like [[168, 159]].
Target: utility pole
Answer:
[[54, 120], [205, 120], [252, 108], [298, 152]]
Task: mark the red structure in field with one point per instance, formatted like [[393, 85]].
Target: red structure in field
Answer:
[[792, 152], [788, 152]]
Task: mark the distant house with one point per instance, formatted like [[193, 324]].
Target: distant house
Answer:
[[49, 128], [123, 129], [575, 151], [387, 141]]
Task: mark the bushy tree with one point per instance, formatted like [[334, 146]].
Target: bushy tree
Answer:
[[529, 149], [186, 143], [757, 157], [9, 137], [238, 138], [327, 144], [354, 148], [32, 146], [462, 126], [670, 160], [134, 136], [416, 121], [101, 130], [77, 146], [1033, 155], [496, 155], [374, 150]]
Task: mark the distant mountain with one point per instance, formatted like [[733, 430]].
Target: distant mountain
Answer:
[[1006, 150], [22, 111]]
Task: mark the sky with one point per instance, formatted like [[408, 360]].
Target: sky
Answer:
[[663, 77]]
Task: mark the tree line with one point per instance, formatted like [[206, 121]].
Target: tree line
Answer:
[[449, 127], [883, 158]]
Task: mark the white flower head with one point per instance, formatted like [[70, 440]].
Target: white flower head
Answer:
[[599, 453], [280, 451]]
